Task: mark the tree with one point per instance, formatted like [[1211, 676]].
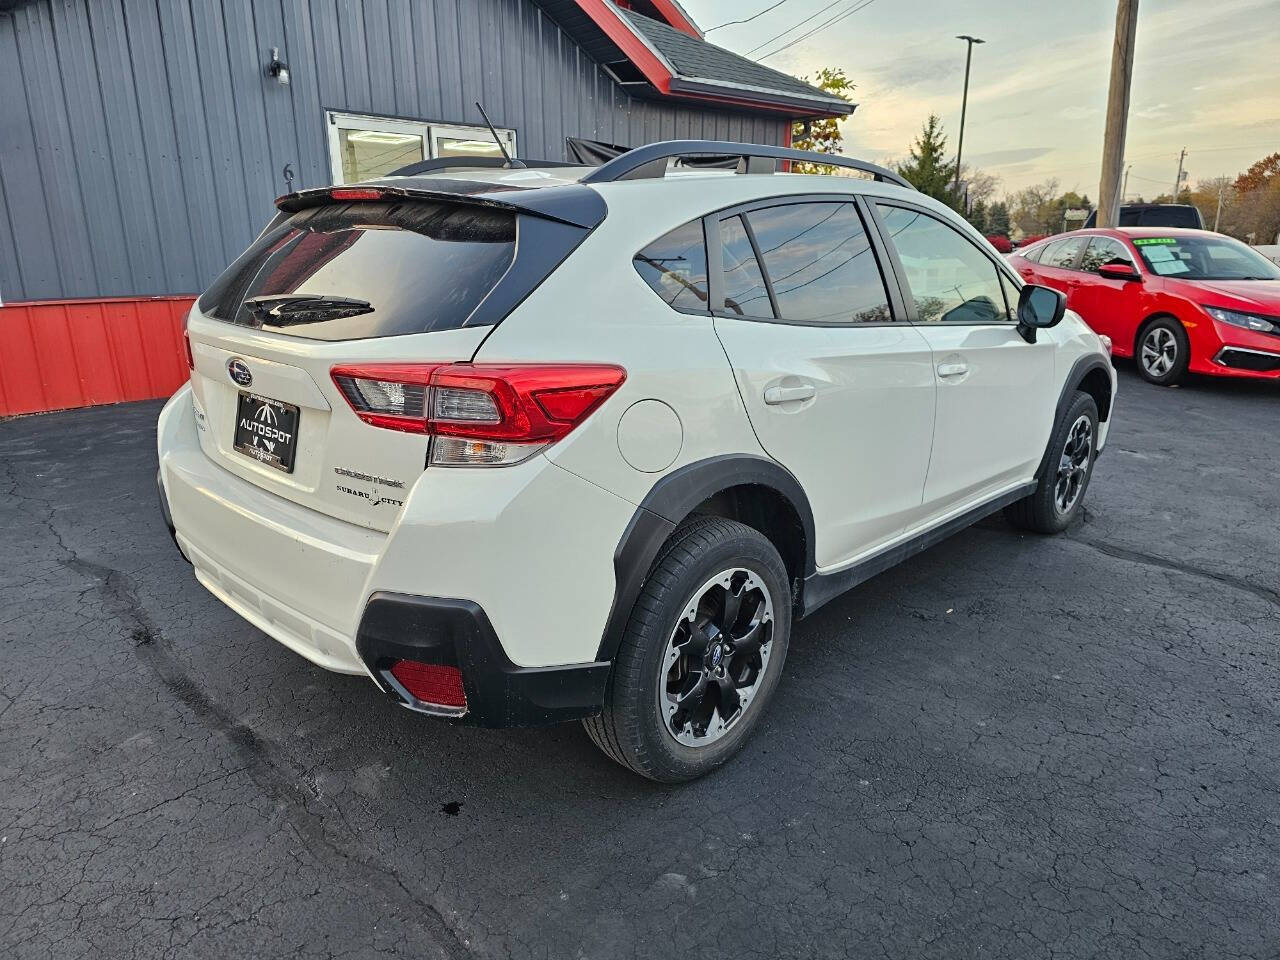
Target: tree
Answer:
[[928, 170], [998, 219], [1260, 174], [822, 136], [977, 184], [1035, 210], [979, 217]]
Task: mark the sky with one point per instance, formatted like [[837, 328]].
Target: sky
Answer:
[[1206, 77]]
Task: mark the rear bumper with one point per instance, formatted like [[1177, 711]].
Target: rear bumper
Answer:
[[458, 633], [528, 594]]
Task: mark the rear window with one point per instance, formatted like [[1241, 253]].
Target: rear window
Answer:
[[1169, 217], [675, 267], [362, 270]]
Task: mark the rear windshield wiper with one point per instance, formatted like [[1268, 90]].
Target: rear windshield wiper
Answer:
[[282, 310]]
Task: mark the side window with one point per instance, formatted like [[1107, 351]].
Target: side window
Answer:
[[820, 263], [951, 280], [675, 266], [1103, 250], [1033, 254], [1063, 254], [1050, 250], [744, 290]]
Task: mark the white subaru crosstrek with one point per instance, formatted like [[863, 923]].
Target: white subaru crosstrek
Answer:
[[534, 444]]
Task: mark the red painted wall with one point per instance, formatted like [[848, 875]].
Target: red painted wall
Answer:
[[77, 353]]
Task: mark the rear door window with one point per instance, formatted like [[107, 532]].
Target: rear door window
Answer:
[[675, 267], [362, 270], [1103, 250], [1063, 253], [820, 262]]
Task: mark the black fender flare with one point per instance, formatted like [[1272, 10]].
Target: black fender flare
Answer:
[[1079, 370], [668, 503]]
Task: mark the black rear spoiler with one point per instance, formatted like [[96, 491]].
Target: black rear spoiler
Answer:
[[569, 203]]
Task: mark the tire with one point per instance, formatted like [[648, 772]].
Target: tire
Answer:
[[690, 573], [1067, 471], [1162, 351]]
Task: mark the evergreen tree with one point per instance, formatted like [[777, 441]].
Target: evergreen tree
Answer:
[[998, 219], [979, 217], [929, 170]]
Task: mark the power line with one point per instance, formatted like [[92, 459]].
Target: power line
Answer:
[[818, 29], [730, 23], [793, 26]]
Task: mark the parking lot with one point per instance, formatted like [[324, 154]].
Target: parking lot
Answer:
[[1009, 746]]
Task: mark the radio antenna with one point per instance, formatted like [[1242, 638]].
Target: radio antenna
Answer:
[[510, 164]]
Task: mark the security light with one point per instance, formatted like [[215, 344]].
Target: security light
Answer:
[[278, 68]]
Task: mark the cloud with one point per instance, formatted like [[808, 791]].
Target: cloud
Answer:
[[1078, 113], [1002, 158]]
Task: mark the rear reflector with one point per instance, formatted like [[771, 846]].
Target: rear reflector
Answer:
[[431, 683], [490, 415]]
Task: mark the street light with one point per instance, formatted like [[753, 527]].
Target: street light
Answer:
[[964, 103]]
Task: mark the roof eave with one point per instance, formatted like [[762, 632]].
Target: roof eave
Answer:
[[746, 94]]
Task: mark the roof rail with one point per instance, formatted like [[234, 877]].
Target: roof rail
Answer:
[[470, 163], [650, 161]]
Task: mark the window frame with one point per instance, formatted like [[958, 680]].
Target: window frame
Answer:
[[336, 120], [1001, 266], [715, 259]]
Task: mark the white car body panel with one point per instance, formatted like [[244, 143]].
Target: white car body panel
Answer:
[[887, 449], [860, 446]]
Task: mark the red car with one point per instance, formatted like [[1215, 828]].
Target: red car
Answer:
[[1177, 300]]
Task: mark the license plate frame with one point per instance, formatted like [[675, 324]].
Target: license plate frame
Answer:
[[266, 431]]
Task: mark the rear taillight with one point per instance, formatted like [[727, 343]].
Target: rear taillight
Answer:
[[432, 684], [186, 341], [355, 193], [479, 414]]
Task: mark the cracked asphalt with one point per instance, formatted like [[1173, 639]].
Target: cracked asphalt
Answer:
[[1010, 746]]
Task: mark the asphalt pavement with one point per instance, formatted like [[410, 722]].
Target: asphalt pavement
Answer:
[[1009, 746]]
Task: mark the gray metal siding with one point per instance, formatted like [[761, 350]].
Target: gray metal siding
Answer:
[[141, 144]]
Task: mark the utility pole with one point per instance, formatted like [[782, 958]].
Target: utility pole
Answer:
[[964, 102], [1218, 213], [1117, 111], [1177, 181], [1121, 193]]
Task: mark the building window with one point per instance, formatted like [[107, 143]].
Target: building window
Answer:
[[364, 148]]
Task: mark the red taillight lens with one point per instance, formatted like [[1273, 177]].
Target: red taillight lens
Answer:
[[355, 193], [186, 341], [431, 683], [389, 395], [482, 414]]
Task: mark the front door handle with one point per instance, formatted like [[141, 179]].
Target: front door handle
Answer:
[[779, 394], [952, 369]]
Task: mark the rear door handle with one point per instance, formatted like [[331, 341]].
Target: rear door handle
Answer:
[[784, 394], [952, 369]]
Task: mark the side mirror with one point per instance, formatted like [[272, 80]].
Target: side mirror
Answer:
[[1119, 270], [1038, 309]]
